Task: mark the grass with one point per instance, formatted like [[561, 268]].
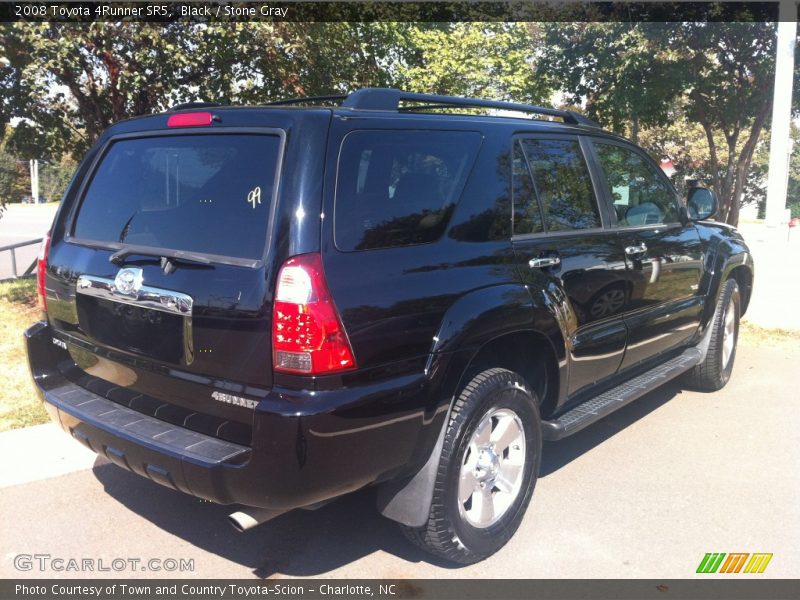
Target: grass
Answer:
[[21, 292], [755, 335], [19, 404]]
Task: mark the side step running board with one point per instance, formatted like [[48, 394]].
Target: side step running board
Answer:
[[595, 409]]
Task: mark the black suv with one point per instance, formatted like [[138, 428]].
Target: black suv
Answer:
[[274, 306]]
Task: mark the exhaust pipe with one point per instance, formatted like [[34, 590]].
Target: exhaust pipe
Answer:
[[251, 516]]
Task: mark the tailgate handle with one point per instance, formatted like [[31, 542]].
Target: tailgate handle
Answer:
[[127, 288]]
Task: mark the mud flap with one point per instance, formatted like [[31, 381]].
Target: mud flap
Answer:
[[409, 501]]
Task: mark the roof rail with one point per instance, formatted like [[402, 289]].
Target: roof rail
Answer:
[[305, 100], [186, 105], [390, 99]]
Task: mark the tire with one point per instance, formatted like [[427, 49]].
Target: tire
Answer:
[[714, 372], [496, 401]]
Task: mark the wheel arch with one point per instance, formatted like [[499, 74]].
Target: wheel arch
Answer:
[[527, 352], [727, 258], [744, 277], [492, 327]]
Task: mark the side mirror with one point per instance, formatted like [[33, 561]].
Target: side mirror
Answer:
[[701, 204]]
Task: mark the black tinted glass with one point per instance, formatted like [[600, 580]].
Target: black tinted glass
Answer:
[[527, 215], [202, 193], [398, 188], [639, 194], [563, 184]]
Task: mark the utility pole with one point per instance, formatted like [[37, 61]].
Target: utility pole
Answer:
[[780, 147], [34, 164]]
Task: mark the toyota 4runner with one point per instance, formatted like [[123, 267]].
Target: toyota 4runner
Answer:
[[274, 306]]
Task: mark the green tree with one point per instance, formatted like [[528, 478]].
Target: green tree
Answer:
[[333, 58], [63, 84], [793, 191], [684, 143], [66, 83], [54, 177], [490, 60], [623, 72], [14, 178], [8, 177], [718, 75]]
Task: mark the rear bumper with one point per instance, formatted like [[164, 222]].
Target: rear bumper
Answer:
[[172, 456], [304, 450]]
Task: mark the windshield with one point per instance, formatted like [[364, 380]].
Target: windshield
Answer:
[[209, 194]]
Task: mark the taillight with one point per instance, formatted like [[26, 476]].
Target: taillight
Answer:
[[41, 267], [307, 334], [193, 119]]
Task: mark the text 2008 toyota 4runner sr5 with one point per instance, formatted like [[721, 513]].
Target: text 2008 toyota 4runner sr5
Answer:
[[274, 306]]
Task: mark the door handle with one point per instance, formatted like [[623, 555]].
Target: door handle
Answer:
[[639, 248], [544, 262]]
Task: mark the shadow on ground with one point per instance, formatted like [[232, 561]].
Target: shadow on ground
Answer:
[[306, 543], [558, 454], [300, 543]]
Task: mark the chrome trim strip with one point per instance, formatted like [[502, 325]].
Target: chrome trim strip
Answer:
[[153, 298]]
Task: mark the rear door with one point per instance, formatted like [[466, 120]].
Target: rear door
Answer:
[[663, 256], [158, 284], [565, 252]]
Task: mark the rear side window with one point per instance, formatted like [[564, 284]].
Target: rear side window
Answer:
[[209, 194], [527, 216], [399, 188], [563, 184]]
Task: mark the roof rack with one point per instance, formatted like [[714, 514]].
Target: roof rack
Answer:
[[305, 100], [390, 99], [186, 105]]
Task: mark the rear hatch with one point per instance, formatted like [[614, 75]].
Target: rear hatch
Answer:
[[158, 283]]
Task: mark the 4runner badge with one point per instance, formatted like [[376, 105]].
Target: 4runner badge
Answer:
[[128, 280], [235, 400]]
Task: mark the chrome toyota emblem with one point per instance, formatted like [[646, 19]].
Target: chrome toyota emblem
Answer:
[[128, 280]]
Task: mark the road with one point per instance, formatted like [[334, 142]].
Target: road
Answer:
[[21, 222], [644, 493]]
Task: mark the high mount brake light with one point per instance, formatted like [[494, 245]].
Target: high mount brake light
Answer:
[[192, 119], [41, 267], [307, 334]]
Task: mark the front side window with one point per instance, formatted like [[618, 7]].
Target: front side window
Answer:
[[209, 194], [562, 181], [399, 188], [638, 193]]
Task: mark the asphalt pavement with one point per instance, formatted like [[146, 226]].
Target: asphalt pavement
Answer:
[[644, 493]]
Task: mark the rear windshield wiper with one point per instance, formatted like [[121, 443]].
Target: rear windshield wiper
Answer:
[[124, 233], [166, 256]]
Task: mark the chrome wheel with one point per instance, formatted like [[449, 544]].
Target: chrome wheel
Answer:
[[607, 303], [492, 470], [729, 334]]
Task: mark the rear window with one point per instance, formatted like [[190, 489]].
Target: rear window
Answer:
[[399, 188], [210, 194]]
